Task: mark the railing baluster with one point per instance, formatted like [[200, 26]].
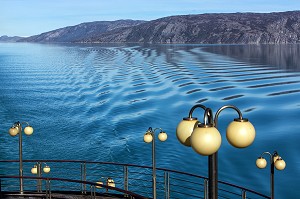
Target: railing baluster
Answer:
[[125, 168], [83, 177], [125, 178], [49, 187], [47, 190], [205, 189], [93, 191], [0, 190], [167, 185], [244, 194]]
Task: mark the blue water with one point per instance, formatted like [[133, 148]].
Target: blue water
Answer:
[[95, 102]]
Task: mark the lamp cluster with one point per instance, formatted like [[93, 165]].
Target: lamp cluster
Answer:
[[17, 128], [109, 182], [148, 137], [13, 131], [278, 162], [206, 139], [34, 169]]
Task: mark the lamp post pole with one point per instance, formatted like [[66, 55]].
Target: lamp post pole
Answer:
[[205, 138], [13, 131], [153, 168], [213, 159], [275, 162], [150, 137], [20, 159]]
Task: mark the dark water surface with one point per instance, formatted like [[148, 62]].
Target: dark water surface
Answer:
[[95, 102]]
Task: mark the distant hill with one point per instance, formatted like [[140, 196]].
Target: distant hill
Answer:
[[6, 38], [231, 28]]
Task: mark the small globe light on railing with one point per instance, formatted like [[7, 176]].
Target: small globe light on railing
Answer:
[[185, 129], [100, 183], [261, 162], [280, 164], [206, 139], [111, 182], [162, 136], [34, 169], [240, 133], [28, 130], [46, 169], [13, 131], [148, 137]]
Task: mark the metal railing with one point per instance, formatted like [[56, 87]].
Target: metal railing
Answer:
[[92, 191], [82, 176]]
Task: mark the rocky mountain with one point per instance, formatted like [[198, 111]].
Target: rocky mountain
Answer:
[[79, 32], [231, 28]]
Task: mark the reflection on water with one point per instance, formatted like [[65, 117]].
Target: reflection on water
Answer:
[[94, 102], [283, 57]]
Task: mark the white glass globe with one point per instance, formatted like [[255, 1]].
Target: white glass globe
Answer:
[[148, 137], [280, 164], [28, 130], [34, 170], [162, 136], [184, 131], [46, 169], [240, 134], [111, 182], [100, 183], [13, 131], [206, 140], [261, 162]]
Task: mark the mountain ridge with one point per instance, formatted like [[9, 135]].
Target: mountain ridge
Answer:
[[213, 28]]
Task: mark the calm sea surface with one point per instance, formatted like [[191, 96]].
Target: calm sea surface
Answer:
[[95, 102]]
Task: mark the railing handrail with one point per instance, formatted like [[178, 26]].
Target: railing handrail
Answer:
[[142, 166], [78, 181]]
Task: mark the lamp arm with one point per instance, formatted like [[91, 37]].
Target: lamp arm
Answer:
[[225, 107], [150, 130], [268, 153], [157, 129], [194, 107], [208, 116], [17, 125], [25, 123]]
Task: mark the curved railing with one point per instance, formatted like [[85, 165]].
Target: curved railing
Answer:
[[128, 177], [93, 187]]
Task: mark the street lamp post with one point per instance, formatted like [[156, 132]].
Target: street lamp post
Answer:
[[37, 169], [275, 161], [206, 140], [13, 131], [150, 137]]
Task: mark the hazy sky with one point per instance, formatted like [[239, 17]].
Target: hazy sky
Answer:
[[31, 17]]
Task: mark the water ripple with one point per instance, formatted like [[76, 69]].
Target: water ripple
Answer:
[[102, 98]]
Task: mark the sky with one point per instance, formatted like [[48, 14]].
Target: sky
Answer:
[[32, 17]]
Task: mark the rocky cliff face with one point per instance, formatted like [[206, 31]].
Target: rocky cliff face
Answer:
[[235, 28], [80, 32]]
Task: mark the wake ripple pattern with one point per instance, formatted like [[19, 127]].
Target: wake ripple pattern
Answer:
[[95, 102]]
